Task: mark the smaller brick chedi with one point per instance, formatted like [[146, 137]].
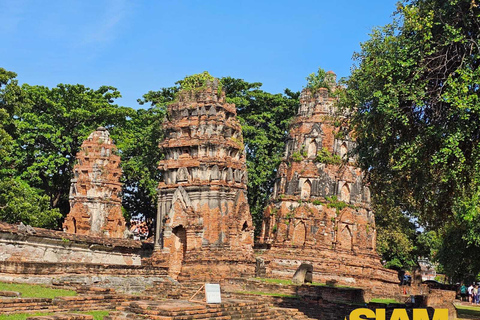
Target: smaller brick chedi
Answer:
[[95, 205], [319, 211], [203, 213]]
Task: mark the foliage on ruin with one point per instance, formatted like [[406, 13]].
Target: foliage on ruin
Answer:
[[325, 156], [297, 156], [198, 82], [415, 100], [334, 202], [320, 79]]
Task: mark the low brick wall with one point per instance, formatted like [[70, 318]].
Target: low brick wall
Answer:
[[442, 299], [88, 302], [42, 268], [43, 245], [123, 278]]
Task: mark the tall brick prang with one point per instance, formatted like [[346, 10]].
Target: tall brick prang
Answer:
[[319, 211], [203, 211], [96, 208]]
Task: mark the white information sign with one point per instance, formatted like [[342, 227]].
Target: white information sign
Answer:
[[212, 293]]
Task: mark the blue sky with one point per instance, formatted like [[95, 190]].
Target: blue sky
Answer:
[[139, 46]]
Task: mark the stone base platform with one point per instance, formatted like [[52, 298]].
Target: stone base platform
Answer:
[[333, 267]]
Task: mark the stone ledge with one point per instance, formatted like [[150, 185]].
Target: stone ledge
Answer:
[[66, 237]]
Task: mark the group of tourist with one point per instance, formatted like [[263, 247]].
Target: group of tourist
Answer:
[[472, 293], [139, 229]]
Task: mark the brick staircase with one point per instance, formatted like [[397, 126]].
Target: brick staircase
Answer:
[[279, 308], [12, 305], [285, 307]]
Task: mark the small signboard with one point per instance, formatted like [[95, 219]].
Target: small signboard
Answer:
[[212, 293]]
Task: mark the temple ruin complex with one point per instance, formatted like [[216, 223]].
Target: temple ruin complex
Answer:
[[318, 217], [96, 208]]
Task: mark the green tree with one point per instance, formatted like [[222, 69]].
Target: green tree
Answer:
[[138, 142], [415, 99], [18, 201], [51, 125], [10, 98], [395, 235], [265, 119], [21, 203]]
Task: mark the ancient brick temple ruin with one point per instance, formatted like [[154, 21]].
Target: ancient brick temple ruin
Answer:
[[202, 200], [96, 208], [320, 208]]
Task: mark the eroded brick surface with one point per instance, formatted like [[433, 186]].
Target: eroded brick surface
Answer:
[[96, 208], [320, 208], [202, 200]]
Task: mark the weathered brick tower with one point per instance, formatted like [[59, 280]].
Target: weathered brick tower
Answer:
[[96, 208], [320, 208], [203, 211]]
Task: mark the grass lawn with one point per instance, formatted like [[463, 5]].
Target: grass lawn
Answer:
[[97, 315], [35, 291], [290, 283], [386, 301], [270, 294], [468, 312], [22, 316]]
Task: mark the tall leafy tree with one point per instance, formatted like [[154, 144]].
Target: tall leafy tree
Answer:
[[21, 203], [10, 99], [138, 142], [18, 201], [415, 97], [265, 119]]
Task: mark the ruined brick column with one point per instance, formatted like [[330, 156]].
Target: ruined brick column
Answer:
[[319, 211], [202, 200], [96, 208]]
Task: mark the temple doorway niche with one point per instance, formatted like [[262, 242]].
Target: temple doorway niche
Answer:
[[343, 151], [346, 237], [178, 250], [312, 149], [345, 193], [306, 189], [299, 234], [74, 222]]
